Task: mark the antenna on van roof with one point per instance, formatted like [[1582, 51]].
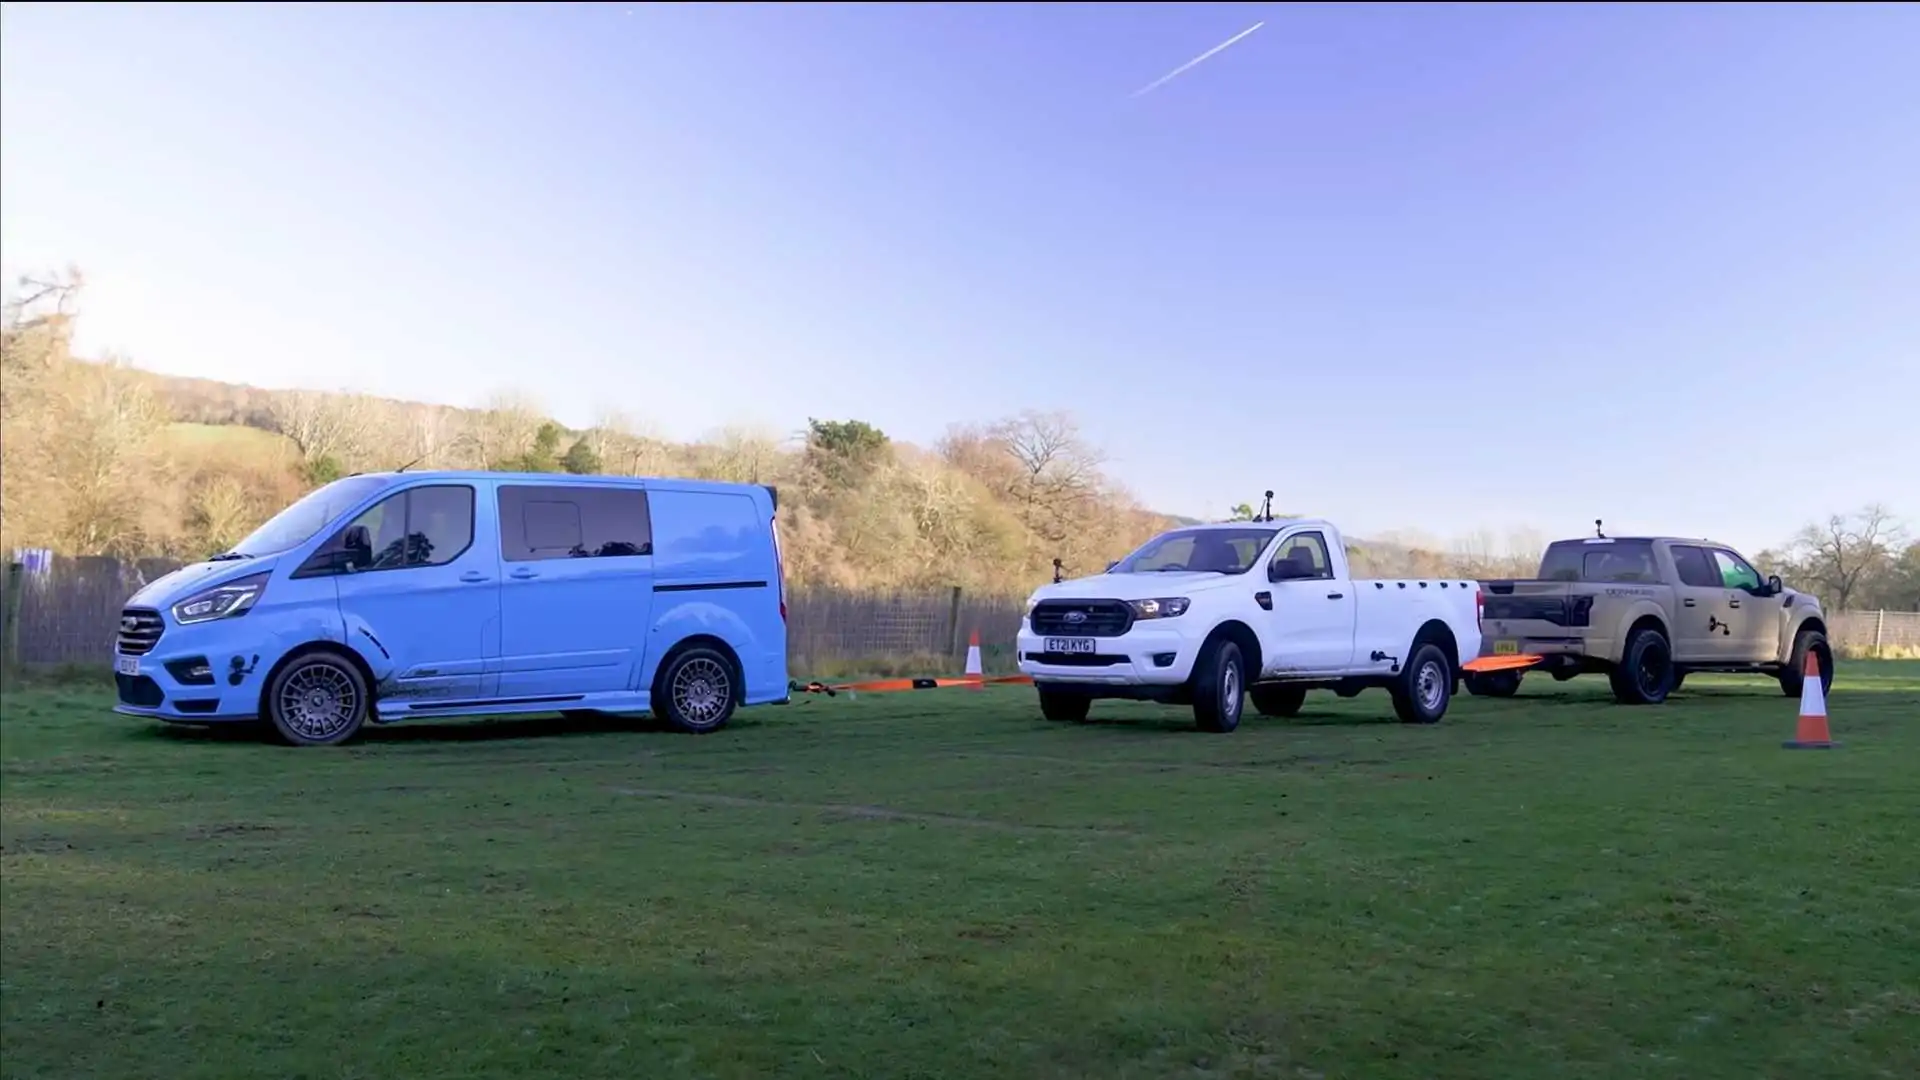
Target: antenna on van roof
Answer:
[[1596, 530], [1266, 508], [411, 464]]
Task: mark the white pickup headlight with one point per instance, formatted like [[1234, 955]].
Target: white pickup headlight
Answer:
[[221, 602], [1163, 608]]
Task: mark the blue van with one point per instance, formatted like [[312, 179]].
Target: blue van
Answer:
[[394, 595]]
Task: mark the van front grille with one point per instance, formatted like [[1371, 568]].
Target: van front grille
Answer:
[[140, 630]]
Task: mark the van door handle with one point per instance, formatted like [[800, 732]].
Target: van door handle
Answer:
[[1733, 603], [1688, 603], [472, 576], [522, 573], [1335, 595]]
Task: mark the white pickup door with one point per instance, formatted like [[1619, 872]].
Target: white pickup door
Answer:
[[1327, 624]]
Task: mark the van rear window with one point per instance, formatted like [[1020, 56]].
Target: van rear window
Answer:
[[573, 522]]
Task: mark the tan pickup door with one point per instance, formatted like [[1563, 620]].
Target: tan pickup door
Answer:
[[1702, 627], [1751, 617]]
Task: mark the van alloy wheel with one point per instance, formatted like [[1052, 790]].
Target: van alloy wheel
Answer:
[[697, 690], [317, 700]]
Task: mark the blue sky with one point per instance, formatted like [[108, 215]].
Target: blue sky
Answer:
[[1434, 268]]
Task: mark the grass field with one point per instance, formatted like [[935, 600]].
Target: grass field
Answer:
[[939, 884]]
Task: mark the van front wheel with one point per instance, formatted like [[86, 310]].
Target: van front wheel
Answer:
[[697, 691], [319, 699]]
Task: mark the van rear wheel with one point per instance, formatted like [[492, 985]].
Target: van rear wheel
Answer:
[[319, 699], [697, 690]]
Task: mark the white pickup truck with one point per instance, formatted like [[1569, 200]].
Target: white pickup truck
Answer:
[[1208, 614]]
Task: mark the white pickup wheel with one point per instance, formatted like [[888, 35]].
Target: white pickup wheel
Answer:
[[1282, 701], [1425, 686], [1219, 687], [1064, 706]]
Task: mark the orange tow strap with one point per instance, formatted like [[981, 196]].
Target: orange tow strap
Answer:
[[881, 686]]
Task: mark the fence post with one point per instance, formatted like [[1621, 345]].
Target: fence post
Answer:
[[10, 619], [953, 624], [1879, 631]]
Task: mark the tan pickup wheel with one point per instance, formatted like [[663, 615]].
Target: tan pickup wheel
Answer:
[[1645, 674], [1277, 700], [1793, 677], [1494, 684]]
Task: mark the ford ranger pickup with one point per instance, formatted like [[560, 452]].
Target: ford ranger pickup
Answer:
[[1212, 615]]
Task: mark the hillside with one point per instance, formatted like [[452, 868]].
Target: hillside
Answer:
[[103, 458]]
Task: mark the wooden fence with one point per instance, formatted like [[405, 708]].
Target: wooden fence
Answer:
[[69, 613]]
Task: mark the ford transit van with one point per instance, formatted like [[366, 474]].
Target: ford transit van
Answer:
[[389, 596]]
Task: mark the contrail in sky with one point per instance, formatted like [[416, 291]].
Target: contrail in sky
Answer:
[[1195, 62]]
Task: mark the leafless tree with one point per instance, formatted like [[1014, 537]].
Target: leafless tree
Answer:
[[1848, 550], [323, 425]]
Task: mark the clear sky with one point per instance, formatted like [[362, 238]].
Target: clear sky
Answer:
[[1412, 267]]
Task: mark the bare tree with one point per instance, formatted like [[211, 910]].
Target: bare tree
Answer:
[[323, 425], [741, 455], [1847, 551], [503, 430], [1058, 470]]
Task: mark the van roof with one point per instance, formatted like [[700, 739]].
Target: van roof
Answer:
[[676, 483]]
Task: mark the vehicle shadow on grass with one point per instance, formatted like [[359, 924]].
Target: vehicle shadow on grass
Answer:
[[451, 730]]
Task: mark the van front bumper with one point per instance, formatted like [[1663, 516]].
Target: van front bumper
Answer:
[[192, 676]]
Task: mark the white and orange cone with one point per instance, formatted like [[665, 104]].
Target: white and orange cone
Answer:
[[1811, 733], [974, 670]]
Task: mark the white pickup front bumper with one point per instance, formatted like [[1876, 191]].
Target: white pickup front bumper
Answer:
[[1146, 655]]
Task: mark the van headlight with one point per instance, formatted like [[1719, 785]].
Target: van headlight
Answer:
[[1165, 607], [221, 602]]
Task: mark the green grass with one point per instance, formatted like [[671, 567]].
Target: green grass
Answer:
[[938, 884], [229, 439]]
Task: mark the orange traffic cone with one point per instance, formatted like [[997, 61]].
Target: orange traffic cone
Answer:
[[1812, 732], [974, 670]]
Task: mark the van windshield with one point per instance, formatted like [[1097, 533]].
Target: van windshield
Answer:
[[298, 523], [1219, 551]]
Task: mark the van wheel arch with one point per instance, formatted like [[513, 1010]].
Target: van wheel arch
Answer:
[[708, 641], [336, 648]]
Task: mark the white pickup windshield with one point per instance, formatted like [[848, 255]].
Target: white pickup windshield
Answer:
[[1221, 551]]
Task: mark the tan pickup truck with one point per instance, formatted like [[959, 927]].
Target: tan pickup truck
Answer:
[[1646, 612]]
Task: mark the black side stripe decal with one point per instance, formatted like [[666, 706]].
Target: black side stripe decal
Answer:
[[703, 586]]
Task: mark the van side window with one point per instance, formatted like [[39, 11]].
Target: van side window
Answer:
[[1695, 569], [1304, 556], [558, 522], [423, 526]]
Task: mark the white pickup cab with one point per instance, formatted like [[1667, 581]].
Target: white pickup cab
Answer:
[[1211, 615]]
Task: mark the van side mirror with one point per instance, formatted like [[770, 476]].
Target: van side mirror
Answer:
[[1774, 585]]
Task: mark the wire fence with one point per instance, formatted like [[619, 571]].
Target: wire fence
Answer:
[[67, 611]]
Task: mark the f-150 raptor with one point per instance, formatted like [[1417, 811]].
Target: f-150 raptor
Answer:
[[1646, 612]]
